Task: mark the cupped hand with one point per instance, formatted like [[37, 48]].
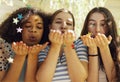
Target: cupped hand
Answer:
[[56, 37], [35, 49], [102, 41], [20, 48], [69, 37]]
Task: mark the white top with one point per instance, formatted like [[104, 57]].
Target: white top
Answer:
[[102, 76]]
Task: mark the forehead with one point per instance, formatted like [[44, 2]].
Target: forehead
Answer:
[[64, 15], [34, 18], [97, 16]]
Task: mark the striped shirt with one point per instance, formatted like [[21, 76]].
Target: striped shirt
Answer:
[[61, 72]]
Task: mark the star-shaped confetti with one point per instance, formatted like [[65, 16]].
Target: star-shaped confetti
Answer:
[[89, 34], [20, 16], [28, 6], [19, 30], [15, 20], [10, 60]]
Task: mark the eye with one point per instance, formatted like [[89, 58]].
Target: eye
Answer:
[[92, 25], [70, 24], [28, 26], [39, 27], [103, 25], [58, 22]]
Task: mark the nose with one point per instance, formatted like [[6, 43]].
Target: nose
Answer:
[[98, 28], [33, 30], [64, 25]]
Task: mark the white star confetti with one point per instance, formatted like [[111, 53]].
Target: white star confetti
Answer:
[[15, 20], [10, 60], [19, 30]]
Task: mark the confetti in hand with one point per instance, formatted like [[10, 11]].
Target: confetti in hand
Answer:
[[89, 34]]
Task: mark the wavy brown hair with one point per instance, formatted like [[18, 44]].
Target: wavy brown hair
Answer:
[[112, 30]]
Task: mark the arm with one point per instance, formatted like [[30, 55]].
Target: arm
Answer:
[[93, 60], [16, 66], [108, 63], [47, 68], [103, 43], [93, 68], [15, 69], [32, 61], [77, 69], [2, 73]]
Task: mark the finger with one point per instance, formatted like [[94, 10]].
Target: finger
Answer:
[[109, 39], [44, 45]]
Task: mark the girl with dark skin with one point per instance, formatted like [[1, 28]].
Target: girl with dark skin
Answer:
[[26, 30]]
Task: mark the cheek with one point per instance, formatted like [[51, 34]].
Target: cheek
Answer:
[[24, 34], [56, 27], [40, 34], [91, 30]]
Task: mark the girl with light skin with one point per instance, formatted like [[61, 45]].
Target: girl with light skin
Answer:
[[99, 34], [66, 59]]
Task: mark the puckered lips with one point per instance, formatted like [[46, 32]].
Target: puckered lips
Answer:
[[32, 39]]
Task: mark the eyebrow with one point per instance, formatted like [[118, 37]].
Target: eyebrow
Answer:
[[61, 19], [30, 22], [94, 20], [58, 19]]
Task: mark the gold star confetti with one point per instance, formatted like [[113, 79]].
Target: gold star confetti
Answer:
[[89, 34]]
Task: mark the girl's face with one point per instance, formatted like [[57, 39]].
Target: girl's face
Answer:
[[97, 24], [63, 21], [32, 30]]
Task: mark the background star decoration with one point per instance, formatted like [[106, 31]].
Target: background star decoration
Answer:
[[10, 60], [15, 20], [28, 6], [19, 30], [20, 16]]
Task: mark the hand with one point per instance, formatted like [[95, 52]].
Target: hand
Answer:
[[56, 37], [20, 48], [89, 41], [35, 49], [69, 37], [102, 41]]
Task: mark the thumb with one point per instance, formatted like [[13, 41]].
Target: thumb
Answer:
[[44, 45], [109, 39]]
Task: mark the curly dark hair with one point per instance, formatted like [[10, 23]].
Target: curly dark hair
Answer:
[[8, 28], [112, 30]]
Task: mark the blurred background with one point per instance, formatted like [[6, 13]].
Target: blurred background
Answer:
[[79, 8]]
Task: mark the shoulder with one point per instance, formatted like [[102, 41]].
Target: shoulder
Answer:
[[79, 43]]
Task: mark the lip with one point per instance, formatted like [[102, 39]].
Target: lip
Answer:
[[63, 32], [32, 39]]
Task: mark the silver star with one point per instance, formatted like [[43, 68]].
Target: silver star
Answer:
[[19, 29], [10, 60], [15, 20]]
